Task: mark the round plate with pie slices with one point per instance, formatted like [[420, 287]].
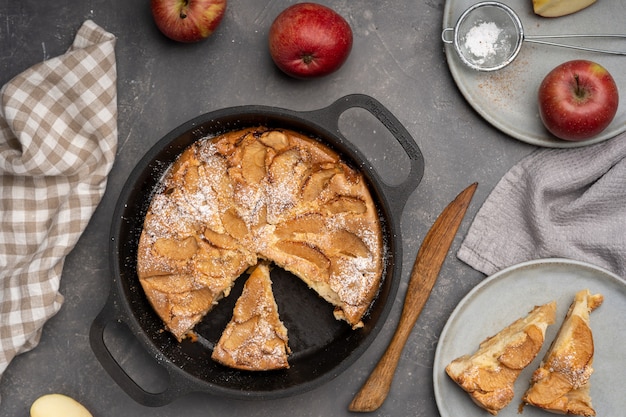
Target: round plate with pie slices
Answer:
[[510, 294]]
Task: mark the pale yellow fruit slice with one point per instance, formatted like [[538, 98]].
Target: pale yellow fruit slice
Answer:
[[556, 8], [58, 405]]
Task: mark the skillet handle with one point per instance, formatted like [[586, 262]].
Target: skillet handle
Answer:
[[176, 387], [329, 117]]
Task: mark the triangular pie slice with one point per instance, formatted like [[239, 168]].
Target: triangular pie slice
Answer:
[[489, 374], [255, 339], [561, 383]]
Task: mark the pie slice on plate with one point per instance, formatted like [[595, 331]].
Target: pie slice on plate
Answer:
[[489, 374], [561, 383]]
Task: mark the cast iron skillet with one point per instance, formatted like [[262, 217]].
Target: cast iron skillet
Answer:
[[322, 347]]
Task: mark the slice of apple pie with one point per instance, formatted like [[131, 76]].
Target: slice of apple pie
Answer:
[[489, 374], [255, 339], [561, 383]]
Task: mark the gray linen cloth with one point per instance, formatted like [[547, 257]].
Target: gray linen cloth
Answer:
[[566, 203], [58, 138]]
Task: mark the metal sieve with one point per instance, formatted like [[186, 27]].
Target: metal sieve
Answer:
[[489, 35]]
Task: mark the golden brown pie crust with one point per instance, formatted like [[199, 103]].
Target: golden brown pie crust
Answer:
[[255, 339], [258, 194], [489, 374], [561, 383]]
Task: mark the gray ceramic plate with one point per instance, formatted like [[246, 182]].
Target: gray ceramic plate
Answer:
[[511, 293], [508, 98]]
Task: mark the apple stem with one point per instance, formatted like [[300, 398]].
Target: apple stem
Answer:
[[579, 92], [183, 13]]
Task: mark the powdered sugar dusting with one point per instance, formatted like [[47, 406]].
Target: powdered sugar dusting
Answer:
[[487, 44], [201, 195]]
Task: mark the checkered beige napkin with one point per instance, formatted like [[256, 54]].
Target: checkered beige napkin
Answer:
[[565, 203], [58, 137]]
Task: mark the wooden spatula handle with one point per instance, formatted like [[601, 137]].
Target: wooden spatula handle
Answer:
[[427, 265], [376, 388]]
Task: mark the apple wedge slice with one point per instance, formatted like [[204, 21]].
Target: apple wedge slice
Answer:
[[556, 8]]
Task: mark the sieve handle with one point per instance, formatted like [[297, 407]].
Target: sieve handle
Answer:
[[540, 39], [444, 33]]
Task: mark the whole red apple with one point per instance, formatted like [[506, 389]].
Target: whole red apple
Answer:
[[187, 20], [577, 100], [309, 40]]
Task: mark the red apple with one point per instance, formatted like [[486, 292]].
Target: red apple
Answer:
[[187, 20], [309, 40], [577, 100]]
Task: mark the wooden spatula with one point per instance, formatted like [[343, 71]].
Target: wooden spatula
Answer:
[[427, 265]]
